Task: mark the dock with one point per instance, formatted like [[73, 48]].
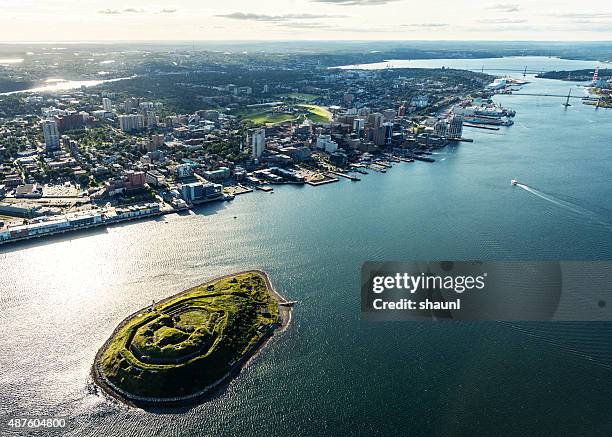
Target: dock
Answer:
[[327, 180], [480, 126], [378, 168], [347, 176], [265, 188], [237, 189]]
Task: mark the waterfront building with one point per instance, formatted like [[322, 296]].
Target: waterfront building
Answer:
[[51, 134], [455, 126], [259, 143], [300, 153], [287, 175], [199, 191], [440, 128], [338, 158], [25, 210], [219, 174]]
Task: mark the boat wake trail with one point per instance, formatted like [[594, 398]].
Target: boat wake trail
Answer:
[[569, 206]]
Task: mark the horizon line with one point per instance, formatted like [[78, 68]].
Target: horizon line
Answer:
[[336, 41]]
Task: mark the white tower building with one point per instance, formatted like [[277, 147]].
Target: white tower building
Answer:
[[107, 104], [259, 143], [51, 133]]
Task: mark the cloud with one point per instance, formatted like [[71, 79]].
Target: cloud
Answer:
[[596, 16], [247, 16], [501, 21], [307, 25], [426, 25], [505, 28], [505, 7], [109, 12], [135, 11], [355, 2]]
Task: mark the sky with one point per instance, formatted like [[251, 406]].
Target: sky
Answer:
[[94, 20]]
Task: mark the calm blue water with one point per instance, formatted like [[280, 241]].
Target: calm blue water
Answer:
[[330, 373]]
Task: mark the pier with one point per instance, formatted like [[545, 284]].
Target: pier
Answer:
[[480, 126], [344, 175]]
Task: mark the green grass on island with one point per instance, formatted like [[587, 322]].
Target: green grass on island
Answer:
[[181, 345]]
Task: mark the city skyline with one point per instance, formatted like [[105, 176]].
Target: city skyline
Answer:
[[137, 20]]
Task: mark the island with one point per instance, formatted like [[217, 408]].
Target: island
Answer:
[[180, 349]]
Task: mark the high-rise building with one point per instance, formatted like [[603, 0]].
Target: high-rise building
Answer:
[[375, 120], [155, 142], [455, 126], [358, 125], [151, 119], [440, 128], [389, 114], [107, 104], [51, 134], [383, 135], [132, 122], [70, 120], [325, 142], [259, 143]]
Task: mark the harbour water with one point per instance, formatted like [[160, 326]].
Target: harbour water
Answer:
[[330, 373], [53, 85]]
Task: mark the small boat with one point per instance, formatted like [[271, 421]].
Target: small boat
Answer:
[[514, 182]]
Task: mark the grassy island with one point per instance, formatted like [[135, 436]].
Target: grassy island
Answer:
[[183, 346]]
